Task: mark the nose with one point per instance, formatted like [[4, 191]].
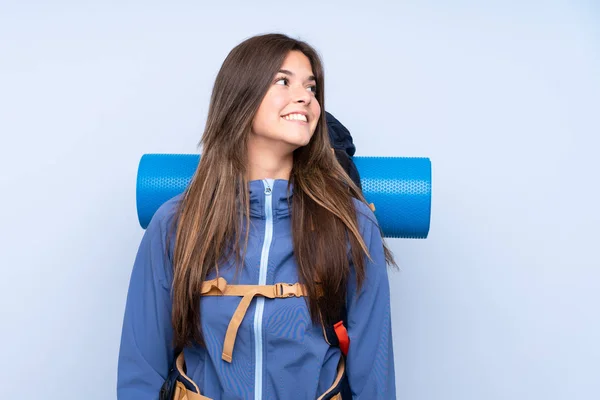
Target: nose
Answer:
[[302, 95]]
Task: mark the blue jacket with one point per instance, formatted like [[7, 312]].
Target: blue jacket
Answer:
[[279, 353]]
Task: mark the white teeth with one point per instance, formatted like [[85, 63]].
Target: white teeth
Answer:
[[295, 117]]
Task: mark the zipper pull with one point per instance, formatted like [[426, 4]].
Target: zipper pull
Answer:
[[267, 188]]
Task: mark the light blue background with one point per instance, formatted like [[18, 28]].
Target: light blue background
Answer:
[[500, 302]]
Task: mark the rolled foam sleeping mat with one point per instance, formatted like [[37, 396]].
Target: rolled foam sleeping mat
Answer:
[[398, 187]]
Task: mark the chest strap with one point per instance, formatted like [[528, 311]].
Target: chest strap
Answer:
[[219, 287]]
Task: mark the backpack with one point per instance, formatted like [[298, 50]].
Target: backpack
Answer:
[[343, 147]]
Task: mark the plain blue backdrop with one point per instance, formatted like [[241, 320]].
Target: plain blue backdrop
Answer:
[[500, 302]]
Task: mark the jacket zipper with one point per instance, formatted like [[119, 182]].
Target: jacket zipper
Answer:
[[260, 301]]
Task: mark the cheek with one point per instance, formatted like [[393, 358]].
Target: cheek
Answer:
[[276, 102], [268, 112], [316, 110]]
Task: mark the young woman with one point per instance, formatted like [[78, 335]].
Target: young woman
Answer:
[[245, 275]]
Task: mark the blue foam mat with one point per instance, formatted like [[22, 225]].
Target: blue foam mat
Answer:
[[399, 187]]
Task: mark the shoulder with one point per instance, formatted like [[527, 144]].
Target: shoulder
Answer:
[[162, 228], [164, 216], [158, 237]]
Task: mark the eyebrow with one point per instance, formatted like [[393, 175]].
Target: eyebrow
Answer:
[[285, 71]]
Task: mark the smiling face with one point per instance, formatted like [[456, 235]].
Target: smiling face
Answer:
[[289, 112]]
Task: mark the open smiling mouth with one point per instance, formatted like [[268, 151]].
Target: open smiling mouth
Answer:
[[298, 118]]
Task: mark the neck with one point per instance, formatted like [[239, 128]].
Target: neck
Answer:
[[268, 162]]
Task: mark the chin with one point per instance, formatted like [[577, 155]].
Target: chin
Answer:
[[298, 143], [298, 140]]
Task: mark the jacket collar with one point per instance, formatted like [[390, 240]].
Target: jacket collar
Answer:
[[281, 198]]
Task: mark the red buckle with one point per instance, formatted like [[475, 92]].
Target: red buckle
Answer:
[[342, 335]]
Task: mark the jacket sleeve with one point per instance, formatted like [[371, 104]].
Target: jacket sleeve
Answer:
[[370, 360], [146, 352]]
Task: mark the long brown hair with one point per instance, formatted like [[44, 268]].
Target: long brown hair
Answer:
[[208, 219]]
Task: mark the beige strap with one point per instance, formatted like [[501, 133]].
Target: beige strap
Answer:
[[219, 287], [181, 393], [340, 374]]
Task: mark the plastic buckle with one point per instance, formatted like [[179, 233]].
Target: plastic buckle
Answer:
[[284, 290]]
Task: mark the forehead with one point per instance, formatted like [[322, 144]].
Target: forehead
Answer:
[[297, 63]]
